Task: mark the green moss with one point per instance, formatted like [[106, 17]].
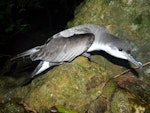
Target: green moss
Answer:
[[68, 85], [11, 106], [109, 89], [120, 103]]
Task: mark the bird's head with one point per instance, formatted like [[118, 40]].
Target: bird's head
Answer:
[[121, 49]]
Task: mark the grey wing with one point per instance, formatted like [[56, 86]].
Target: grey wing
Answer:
[[61, 50]]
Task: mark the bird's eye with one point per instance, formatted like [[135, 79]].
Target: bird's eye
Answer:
[[120, 49]]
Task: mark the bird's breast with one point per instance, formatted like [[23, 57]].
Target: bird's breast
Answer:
[[94, 47]]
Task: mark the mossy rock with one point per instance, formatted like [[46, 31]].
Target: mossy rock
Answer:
[[73, 85]]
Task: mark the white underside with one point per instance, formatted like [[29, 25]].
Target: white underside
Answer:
[[44, 67], [94, 47], [112, 50]]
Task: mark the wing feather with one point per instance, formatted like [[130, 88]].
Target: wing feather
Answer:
[[72, 31], [64, 49]]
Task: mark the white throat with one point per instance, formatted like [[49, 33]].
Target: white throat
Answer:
[[112, 50], [95, 46]]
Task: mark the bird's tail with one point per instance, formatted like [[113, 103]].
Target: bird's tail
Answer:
[[27, 53]]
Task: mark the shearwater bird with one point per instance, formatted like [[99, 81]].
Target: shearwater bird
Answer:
[[77, 41]]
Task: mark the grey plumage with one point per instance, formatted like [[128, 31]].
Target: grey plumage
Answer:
[[80, 40], [119, 43], [59, 50], [28, 52]]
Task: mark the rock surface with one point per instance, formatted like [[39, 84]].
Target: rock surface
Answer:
[[92, 87]]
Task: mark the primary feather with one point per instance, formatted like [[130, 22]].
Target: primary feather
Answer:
[[27, 53]]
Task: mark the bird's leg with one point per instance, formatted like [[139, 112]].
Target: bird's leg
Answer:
[[87, 55]]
